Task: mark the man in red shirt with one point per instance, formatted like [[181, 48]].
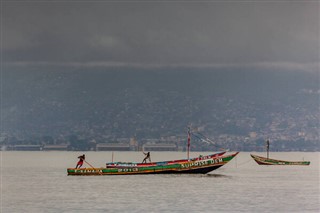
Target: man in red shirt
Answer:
[[80, 162]]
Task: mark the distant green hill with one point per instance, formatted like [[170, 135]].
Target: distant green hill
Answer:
[[123, 103]]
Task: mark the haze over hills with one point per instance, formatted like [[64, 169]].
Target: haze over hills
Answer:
[[231, 106], [239, 73]]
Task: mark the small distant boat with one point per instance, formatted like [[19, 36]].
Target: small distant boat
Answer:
[[200, 165], [268, 161]]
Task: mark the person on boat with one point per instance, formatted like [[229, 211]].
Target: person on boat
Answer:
[[80, 162], [147, 157]]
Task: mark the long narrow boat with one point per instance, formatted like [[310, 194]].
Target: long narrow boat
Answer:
[[268, 161], [161, 163], [200, 166]]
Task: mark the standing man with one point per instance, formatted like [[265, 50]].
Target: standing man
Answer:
[[80, 162], [147, 157]]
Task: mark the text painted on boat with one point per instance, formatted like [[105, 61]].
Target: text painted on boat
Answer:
[[128, 170], [201, 163], [88, 170]]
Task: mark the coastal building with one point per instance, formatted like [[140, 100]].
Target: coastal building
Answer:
[[61, 147], [134, 145], [27, 148], [159, 147], [113, 147]]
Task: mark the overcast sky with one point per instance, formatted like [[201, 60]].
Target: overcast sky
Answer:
[[275, 34]]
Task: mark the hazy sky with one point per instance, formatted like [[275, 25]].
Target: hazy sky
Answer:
[[268, 34]]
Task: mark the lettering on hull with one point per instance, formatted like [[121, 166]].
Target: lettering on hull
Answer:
[[201, 163], [128, 170], [88, 170]]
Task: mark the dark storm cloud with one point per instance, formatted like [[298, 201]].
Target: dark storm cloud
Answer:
[[206, 34]]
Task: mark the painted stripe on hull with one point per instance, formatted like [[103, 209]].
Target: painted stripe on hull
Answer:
[[173, 171]]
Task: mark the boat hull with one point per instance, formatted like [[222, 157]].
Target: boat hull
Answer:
[[162, 163], [268, 161], [189, 167]]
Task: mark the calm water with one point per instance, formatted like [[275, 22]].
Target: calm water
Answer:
[[37, 182]]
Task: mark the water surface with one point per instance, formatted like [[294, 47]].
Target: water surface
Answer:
[[38, 182]]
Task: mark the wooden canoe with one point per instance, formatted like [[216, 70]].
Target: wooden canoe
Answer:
[[268, 161], [200, 166]]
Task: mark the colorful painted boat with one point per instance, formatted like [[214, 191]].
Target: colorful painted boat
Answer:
[[200, 166], [268, 161], [162, 163]]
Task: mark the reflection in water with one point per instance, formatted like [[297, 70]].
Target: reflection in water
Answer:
[[217, 176]]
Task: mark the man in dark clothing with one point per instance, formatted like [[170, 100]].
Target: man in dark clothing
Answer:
[[80, 162], [147, 157]]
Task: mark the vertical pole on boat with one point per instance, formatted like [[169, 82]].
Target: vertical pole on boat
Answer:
[[267, 146], [189, 139], [112, 157]]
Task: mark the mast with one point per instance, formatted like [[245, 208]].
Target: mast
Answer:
[[189, 139], [267, 146]]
